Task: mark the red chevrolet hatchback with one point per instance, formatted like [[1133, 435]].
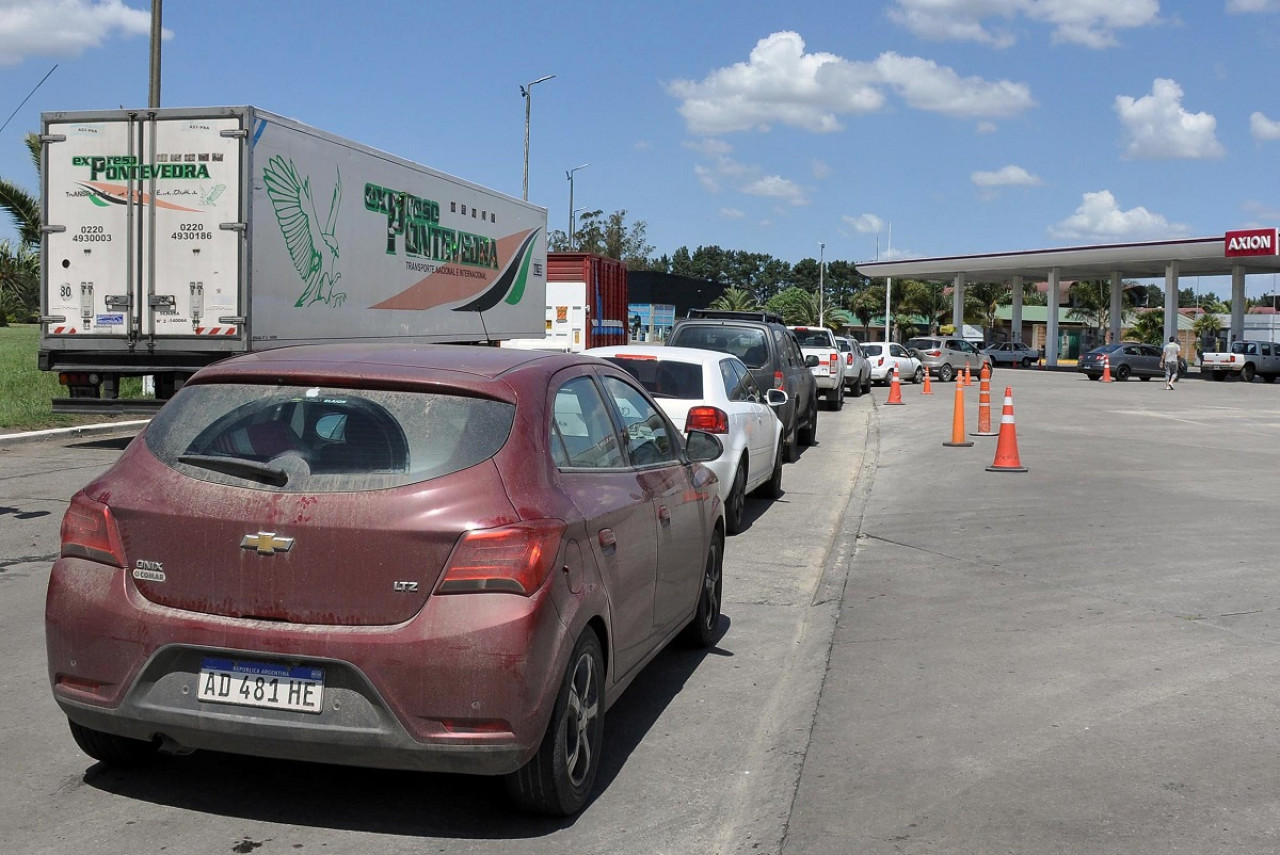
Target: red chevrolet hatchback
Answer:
[[439, 558]]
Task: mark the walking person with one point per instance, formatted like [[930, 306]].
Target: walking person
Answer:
[[1169, 358]]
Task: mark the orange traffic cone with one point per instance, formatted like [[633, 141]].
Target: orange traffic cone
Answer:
[[968, 381], [984, 405], [1106, 369], [957, 420], [1007, 445], [895, 389], [927, 389]]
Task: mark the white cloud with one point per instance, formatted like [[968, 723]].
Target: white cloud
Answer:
[[732, 214], [777, 187], [1263, 129], [781, 84], [1156, 126], [1099, 218], [1091, 23], [820, 169], [706, 178], [1006, 176], [867, 224], [986, 128], [708, 145], [65, 28], [1243, 6]]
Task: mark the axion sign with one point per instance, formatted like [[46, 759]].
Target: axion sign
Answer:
[[1251, 242]]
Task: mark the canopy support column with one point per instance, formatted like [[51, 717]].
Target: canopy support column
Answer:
[[957, 304], [1051, 334], [1237, 301], [1015, 320], [1170, 300], [1116, 316]]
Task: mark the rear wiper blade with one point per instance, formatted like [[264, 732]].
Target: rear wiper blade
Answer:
[[238, 467]]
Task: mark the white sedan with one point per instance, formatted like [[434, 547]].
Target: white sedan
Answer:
[[883, 357], [714, 392]]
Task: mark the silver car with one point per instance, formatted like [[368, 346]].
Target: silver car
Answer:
[[857, 369], [883, 357], [946, 356]]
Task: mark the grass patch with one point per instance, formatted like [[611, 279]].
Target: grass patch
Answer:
[[26, 392]]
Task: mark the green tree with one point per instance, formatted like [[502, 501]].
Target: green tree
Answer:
[[1090, 303], [928, 299], [867, 304], [609, 236], [1207, 327], [796, 306], [737, 300], [983, 301], [19, 282], [23, 207], [1148, 326]]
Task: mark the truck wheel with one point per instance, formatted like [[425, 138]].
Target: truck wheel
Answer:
[[1269, 378], [856, 389], [946, 372], [835, 398], [1247, 373]]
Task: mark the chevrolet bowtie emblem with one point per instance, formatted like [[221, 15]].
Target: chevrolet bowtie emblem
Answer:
[[266, 543]]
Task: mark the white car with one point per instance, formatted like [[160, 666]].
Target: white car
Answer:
[[883, 357], [714, 392]]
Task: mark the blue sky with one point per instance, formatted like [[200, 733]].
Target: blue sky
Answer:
[[882, 127]]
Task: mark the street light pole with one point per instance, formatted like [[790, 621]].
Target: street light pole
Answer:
[[569, 174], [822, 269], [526, 92]]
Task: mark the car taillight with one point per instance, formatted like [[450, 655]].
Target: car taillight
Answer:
[[514, 559], [832, 359], [710, 419], [89, 531], [848, 359], [933, 353], [880, 361], [777, 379]]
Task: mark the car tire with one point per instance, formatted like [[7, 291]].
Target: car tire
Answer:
[[1094, 376], [808, 435], [1247, 373], [1269, 378], [866, 384], [701, 631], [772, 489], [918, 377], [559, 779], [1122, 373], [856, 389], [791, 445], [837, 402], [946, 372], [1026, 362], [737, 501], [111, 749]]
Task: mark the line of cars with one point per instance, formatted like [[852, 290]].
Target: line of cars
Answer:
[[440, 558]]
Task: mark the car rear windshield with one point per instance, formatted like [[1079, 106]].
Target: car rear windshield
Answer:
[[749, 344], [321, 439], [813, 338], [871, 349], [664, 378], [924, 343]]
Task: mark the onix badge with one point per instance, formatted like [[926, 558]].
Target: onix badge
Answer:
[[266, 543]]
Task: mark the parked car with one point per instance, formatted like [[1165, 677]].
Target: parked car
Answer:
[[770, 351], [822, 355], [715, 392], [1128, 359], [438, 558], [945, 356], [1012, 353], [857, 370], [883, 357]]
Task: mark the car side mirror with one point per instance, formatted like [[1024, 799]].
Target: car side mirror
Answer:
[[775, 397], [703, 447], [811, 361]]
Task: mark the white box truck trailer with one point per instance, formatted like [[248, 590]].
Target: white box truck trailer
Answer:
[[177, 237]]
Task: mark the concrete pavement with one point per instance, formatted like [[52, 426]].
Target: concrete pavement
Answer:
[[1078, 659]]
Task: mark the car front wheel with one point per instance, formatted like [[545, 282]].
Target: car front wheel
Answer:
[[559, 778]]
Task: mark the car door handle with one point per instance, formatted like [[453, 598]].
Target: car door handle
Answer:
[[664, 515]]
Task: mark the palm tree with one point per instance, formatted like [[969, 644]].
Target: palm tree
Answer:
[[19, 282], [23, 207], [796, 306], [985, 299], [928, 299], [1148, 327], [736, 300], [1206, 327]]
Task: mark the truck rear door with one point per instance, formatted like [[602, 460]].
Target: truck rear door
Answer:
[[135, 209]]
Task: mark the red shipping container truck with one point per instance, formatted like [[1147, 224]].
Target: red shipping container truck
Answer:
[[586, 303]]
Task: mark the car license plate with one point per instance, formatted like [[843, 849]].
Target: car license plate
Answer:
[[261, 684]]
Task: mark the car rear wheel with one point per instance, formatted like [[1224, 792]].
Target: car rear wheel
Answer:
[[1094, 376], [856, 389], [736, 503], [772, 488], [808, 435], [946, 372], [1219, 375], [835, 398], [559, 778], [701, 631], [111, 749], [1247, 373], [791, 444], [866, 384]]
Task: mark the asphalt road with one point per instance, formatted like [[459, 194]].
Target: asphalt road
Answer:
[[702, 754], [919, 656]]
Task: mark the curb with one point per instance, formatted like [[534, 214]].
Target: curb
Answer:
[[105, 429]]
